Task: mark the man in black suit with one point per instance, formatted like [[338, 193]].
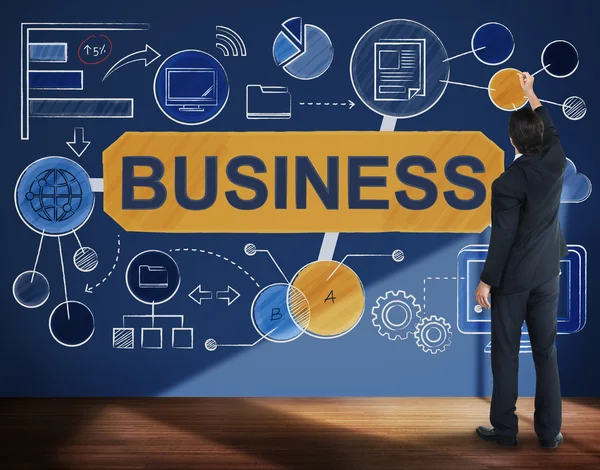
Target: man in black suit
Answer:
[[521, 272]]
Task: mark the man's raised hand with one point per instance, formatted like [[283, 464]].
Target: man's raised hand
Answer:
[[526, 80]]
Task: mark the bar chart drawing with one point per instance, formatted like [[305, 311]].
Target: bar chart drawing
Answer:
[[50, 52], [56, 79], [81, 107]]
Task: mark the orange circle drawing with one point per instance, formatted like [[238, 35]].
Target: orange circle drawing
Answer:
[[335, 295], [505, 90]]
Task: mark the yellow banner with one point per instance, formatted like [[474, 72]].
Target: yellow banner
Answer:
[[278, 182]]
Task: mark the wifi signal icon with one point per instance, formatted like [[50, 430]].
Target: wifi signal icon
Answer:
[[229, 42]]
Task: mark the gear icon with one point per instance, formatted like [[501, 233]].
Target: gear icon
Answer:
[[433, 334], [402, 322]]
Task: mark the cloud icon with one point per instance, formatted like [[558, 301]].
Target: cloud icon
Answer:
[[576, 186]]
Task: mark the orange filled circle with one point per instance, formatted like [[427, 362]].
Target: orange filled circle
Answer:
[[335, 295], [505, 90]]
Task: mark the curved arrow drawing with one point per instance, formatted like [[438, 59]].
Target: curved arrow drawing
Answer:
[[89, 289], [148, 55]]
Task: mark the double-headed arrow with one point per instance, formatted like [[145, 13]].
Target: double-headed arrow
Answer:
[[198, 295]]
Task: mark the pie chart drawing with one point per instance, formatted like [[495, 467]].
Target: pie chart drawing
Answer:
[[303, 50]]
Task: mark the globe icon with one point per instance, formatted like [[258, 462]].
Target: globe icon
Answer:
[[55, 195]]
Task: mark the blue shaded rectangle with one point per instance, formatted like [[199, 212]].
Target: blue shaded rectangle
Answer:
[[81, 108], [48, 52], [56, 79]]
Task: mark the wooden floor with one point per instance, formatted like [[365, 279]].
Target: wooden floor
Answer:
[[332, 433]]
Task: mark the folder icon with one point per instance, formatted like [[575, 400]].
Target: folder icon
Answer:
[[268, 102], [153, 277]]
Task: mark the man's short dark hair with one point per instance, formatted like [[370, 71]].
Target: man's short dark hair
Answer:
[[526, 129]]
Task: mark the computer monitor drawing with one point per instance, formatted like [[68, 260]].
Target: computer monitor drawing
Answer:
[[472, 319], [191, 89]]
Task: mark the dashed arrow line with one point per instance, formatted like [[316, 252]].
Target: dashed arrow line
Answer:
[[212, 253], [348, 103], [90, 289]]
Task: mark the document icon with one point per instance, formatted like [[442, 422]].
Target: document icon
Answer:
[[268, 102], [153, 277], [399, 69]]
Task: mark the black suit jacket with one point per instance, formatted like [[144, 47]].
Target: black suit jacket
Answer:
[[527, 243]]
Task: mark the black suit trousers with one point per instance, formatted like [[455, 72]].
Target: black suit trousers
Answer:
[[538, 308]]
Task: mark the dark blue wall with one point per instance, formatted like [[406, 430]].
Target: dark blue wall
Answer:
[[360, 363]]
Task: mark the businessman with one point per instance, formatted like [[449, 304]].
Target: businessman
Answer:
[[521, 272]]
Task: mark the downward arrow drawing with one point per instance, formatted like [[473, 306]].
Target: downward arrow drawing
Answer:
[[148, 55], [227, 295], [79, 144]]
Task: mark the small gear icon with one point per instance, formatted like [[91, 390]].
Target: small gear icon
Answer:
[[396, 314], [433, 334]]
